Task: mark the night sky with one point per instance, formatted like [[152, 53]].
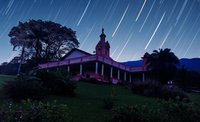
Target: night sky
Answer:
[[132, 27]]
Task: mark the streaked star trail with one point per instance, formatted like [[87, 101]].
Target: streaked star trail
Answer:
[[124, 46], [141, 10], [120, 21], [181, 11], [132, 27], [86, 38], [84, 12], [191, 44], [147, 16], [154, 32]]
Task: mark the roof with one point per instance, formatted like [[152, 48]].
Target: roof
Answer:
[[75, 49]]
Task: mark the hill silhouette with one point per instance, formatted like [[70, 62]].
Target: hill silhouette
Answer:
[[190, 64]]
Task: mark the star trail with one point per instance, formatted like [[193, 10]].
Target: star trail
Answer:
[[132, 27], [141, 10], [154, 32], [120, 21]]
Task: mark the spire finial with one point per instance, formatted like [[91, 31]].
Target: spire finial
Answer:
[[102, 36], [102, 30]]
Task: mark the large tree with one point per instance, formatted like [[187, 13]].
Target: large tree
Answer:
[[42, 40], [162, 64]]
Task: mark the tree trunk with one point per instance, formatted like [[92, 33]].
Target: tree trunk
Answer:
[[20, 64]]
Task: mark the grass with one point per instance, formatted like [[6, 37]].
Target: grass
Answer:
[[195, 97], [5, 78], [87, 105]]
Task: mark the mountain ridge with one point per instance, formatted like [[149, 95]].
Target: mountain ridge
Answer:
[[191, 64]]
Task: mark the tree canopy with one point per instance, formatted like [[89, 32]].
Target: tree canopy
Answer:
[[43, 40], [162, 64]]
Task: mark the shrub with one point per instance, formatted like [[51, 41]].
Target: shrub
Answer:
[[147, 88], [126, 114], [136, 113], [24, 87], [39, 83], [57, 82], [155, 89], [175, 93], [30, 111], [167, 111], [180, 111]]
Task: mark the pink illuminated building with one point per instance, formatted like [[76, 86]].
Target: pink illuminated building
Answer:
[[99, 66]]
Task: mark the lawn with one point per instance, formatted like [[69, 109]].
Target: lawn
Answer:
[[87, 105], [5, 78]]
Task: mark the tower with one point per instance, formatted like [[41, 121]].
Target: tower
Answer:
[[103, 46]]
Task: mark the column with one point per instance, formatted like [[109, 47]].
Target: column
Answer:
[[124, 76], [102, 69], [118, 74], [81, 69], [111, 72], [143, 77], [68, 69], [96, 68], [130, 78]]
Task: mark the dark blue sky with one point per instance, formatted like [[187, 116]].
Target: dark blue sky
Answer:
[[133, 27]]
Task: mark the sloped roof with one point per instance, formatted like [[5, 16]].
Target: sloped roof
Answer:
[[75, 49]]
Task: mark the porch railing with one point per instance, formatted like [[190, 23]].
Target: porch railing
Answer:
[[79, 60]]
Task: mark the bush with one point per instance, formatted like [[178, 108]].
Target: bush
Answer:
[[57, 82], [39, 83], [147, 88], [24, 87], [167, 111], [126, 114], [180, 111], [155, 89], [30, 111], [175, 93], [136, 114]]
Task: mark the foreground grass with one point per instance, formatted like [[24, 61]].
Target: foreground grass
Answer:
[[5, 78], [87, 105], [195, 97]]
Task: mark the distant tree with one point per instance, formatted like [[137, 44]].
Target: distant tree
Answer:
[[43, 40], [15, 60], [162, 64], [2, 67], [182, 76], [9, 69], [4, 63]]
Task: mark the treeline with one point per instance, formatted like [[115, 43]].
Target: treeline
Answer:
[[11, 69]]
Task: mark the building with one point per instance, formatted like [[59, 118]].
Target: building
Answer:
[[99, 66]]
